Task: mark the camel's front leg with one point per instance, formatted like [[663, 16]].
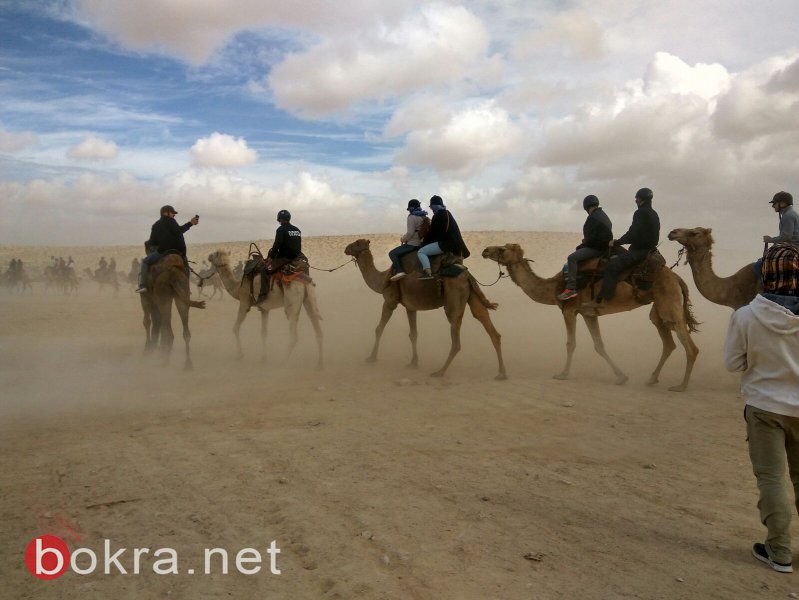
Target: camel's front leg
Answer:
[[242, 314], [293, 315], [311, 311], [183, 311], [593, 327], [388, 310], [414, 335], [455, 318], [147, 321], [570, 319], [264, 330], [684, 335], [480, 313], [167, 336]]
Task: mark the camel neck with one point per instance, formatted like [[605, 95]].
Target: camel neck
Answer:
[[539, 289], [376, 280], [230, 283]]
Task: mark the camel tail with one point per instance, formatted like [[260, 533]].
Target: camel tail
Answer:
[[180, 287], [690, 319], [480, 295], [310, 289]]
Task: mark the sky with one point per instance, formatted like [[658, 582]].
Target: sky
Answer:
[[511, 110]]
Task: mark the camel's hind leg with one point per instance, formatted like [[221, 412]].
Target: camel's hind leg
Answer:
[[242, 314], [167, 336], [311, 311], [388, 310], [570, 320], [593, 327], [455, 318], [293, 315], [413, 334], [480, 312], [264, 331], [183, 311], [691, 351]]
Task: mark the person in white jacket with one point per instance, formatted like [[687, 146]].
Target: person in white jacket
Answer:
[[410, 241], [763, 344]]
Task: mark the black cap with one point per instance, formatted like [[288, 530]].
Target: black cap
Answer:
[[782, 197], [167, 208], [436, 201]]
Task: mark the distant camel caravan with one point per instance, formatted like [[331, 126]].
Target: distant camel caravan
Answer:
[[417, 295], [62, 278], [734, 291], [292, 297], [167, 281], [103, 277], [671, 310]]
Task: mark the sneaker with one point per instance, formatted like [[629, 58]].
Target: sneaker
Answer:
[[760, 553], [426, 275], [397, 276], [140, 290], [567, 294]]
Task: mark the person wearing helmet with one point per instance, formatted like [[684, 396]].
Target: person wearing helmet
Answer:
[[597, 233], [166, 235], [411, 239], [782, 203], [287, 247], [642, 237]]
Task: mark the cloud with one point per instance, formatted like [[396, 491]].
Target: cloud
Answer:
[[93, 149], [222, 150], [575, 32], [12, 142], [469, 139], [433, 47]]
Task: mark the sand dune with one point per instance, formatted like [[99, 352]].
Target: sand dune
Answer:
[[375, 481]]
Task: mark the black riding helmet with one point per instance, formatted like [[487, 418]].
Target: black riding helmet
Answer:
[[783, 197], [284, 215]]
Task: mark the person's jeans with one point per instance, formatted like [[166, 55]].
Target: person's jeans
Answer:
[[397, 253], [572, 261], [614, 268], [146, 263], [772, 439], [425, 252]]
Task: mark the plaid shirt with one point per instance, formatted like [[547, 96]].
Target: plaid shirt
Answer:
[[781, 270]]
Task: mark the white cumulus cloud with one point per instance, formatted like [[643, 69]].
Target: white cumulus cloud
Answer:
[[94, 148], [222, 150]]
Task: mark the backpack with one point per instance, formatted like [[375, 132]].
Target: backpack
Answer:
[[424, 228]]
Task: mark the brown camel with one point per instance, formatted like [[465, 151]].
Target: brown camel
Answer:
[[166, 281], [417, 295], [103, 277], [734, 291], [292, 297], [671, 310]]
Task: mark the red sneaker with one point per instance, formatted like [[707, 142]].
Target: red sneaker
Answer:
[[567, 294]]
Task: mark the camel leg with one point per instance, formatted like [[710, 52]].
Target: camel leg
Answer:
[[264, 331], [167, 336], [183, 311], [388, 310], [480, 313], [317, 327], [593, 327], [684, 335], [570, 319], [414, 335], [668, 344], [691, 352], [147, 322], [455, 318], [293, 315], [242, 314]]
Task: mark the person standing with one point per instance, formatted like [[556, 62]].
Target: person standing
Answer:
[[763, 344], [642, 237], [287, 247], [410, 240], [166, 235], [597, 234]]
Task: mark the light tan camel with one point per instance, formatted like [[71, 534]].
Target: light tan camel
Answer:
[[209, 279], [671, 310], [291, 297], [734, 291], [417, 295], [167, 281], [63, 279], [103, 277]]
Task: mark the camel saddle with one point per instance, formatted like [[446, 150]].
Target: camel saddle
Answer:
[[639, 276], [445, 265]]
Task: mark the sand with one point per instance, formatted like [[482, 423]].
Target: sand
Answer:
[[374, 481]]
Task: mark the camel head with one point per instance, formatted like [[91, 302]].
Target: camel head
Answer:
[[219, 258], [697, 238], [504, 255], [357, 248]]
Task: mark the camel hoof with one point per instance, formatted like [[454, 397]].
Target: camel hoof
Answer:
[[561, 376], [621, 379], [677, 388], [437, 374], [412, 365], [652, 381], [501, 377], [371, 359], [188, 367]]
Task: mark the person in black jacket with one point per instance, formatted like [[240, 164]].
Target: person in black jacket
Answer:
[[166, 235], [444, 236], [597, 233], [287, 247], [642, 237]]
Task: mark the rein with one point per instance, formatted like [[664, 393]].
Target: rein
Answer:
[[352, 260]]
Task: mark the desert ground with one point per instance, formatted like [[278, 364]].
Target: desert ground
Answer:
[[375, 481]]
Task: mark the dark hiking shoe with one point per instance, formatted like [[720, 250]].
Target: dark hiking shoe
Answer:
[[567, 294], [760, 553]]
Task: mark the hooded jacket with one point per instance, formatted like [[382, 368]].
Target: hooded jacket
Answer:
[[763, 343]]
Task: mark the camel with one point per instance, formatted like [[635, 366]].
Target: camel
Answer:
[[417, 295], [64, 279], [292, 297], [209, 279], [734, 291], [103, 277], [166, 281], [671, 310], [17, 281]]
